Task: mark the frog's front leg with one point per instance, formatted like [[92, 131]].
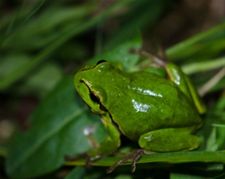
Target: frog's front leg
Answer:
[[169, 139], [110, 143]]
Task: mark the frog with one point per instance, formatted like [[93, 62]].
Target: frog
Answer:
[[159, 113]]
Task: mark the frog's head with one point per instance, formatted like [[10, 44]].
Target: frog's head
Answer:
[[94, 83]]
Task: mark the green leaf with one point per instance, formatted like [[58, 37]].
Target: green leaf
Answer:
[[69, 31], [204, 65], [123, 177], [10, 67], [76, 173], [3, 150], [169, 158], [42, 81], [214, 129], [184, 176], [57, 129], [40, 30], [202, 45], [122, 53], [140, 14], [19, 16], [48, 117]]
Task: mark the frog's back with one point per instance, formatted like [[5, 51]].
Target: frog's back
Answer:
[[151, 103]]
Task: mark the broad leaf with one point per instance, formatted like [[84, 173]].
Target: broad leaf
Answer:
[[58, 124], [57, 129], [122, 53], [42, 81], [76, 173], [143, 13], [10, 67]]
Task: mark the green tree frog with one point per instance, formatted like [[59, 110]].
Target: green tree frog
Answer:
[[160, 113]]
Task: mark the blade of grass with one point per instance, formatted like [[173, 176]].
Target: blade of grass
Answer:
[[38, 5], [19, 16], [179, 50], [204, 66], [69, 32]]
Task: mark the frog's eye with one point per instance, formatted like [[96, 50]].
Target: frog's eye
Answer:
[[96, 100], [101, 61]]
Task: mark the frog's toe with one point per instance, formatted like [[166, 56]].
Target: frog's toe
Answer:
[[133, 157], [136, 156]]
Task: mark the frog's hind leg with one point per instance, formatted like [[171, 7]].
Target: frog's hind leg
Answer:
[[169, 139], [184, 83]]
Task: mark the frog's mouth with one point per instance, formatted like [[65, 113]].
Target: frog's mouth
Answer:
[[92, 98]]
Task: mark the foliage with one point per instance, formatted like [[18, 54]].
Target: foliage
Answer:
[[43, 43]]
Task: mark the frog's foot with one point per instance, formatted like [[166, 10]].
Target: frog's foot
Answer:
[[137, 155], [134, 157], [169, 140]]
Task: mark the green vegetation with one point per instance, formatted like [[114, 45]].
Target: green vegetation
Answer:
[[43, 43]]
